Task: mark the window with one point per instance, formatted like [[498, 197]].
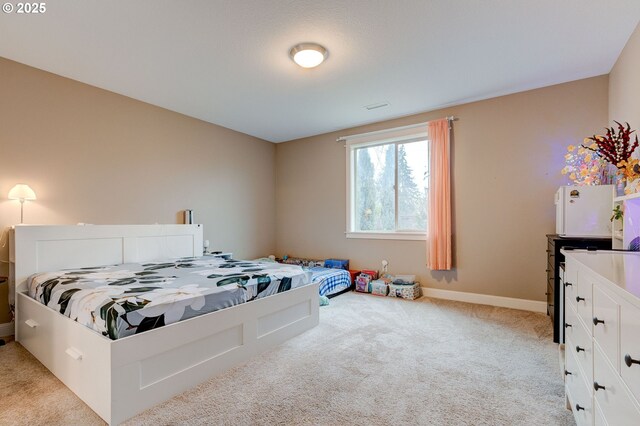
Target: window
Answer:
[[388, 178]]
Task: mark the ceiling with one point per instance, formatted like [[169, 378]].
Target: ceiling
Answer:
[[226, 62]]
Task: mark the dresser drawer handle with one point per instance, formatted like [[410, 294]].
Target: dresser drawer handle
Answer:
[[567, 325], [567, 373], [568, 284], [630, 361], [597, 321], [579, 349], [578, 298], [597, 387], [579, 407]]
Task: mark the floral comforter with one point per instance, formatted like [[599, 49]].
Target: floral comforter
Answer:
[[122, 300]]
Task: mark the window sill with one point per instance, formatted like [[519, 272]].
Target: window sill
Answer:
[[415, 236]]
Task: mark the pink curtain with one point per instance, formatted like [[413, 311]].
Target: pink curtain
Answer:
[[439, 226]]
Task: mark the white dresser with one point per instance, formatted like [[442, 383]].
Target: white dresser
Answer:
[[602, 335]]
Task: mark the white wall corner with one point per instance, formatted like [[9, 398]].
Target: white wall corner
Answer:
[[7, 329], [485, 299]]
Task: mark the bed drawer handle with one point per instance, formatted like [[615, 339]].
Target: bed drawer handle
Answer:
[[578, 299], [31, 323], [579, 407], [568, 284], [74, 353], [597, 321]]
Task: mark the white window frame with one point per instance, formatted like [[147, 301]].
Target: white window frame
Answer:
[[404, 134]]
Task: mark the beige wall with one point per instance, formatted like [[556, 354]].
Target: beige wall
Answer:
[[624, 84], [507, 156], [97, 157]]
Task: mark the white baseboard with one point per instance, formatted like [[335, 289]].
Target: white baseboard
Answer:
[[7, 329], [485, 299]]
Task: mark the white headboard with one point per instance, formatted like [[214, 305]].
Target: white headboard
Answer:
[[42, 248]]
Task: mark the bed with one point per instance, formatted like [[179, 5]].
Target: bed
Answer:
[[331, 282], [118, 369]]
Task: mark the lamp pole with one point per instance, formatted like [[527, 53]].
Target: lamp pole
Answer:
[[21, 210]]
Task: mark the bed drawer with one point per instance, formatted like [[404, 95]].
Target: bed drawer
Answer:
[[35, 330], [78, 354], [613, 398]]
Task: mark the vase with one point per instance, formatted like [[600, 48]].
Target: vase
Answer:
[[620, 186]]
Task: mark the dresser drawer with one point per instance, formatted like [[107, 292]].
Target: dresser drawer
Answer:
[[570, 283], [570, 322], [598, 416], [606, 324], [581, 346], [630, 347], [578, 391], [613, 398], [584, 298]]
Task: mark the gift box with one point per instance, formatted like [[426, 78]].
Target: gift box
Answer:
[[353, 274], [410, 292], [373, 274], [337, 264], [379, 288], [362, 283]]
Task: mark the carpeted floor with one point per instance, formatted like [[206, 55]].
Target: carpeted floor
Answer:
[[371, 361]]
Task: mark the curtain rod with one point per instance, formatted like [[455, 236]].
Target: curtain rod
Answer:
[[344, 138]]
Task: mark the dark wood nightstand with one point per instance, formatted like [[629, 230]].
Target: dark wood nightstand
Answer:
[[555, 289]]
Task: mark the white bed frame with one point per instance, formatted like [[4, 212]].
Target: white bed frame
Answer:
[[120, 378]]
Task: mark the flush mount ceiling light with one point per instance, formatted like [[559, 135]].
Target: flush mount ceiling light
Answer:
[[308, 55]]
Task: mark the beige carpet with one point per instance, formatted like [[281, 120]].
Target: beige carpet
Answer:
[[372, 361]]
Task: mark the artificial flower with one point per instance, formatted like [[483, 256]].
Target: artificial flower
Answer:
[[630, 169], [584, 166], [617, 145]]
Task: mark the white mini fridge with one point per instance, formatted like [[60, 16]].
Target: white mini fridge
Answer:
[[584, 211]]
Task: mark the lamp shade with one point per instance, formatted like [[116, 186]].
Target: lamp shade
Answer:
[[308, 55], [22, 192]]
